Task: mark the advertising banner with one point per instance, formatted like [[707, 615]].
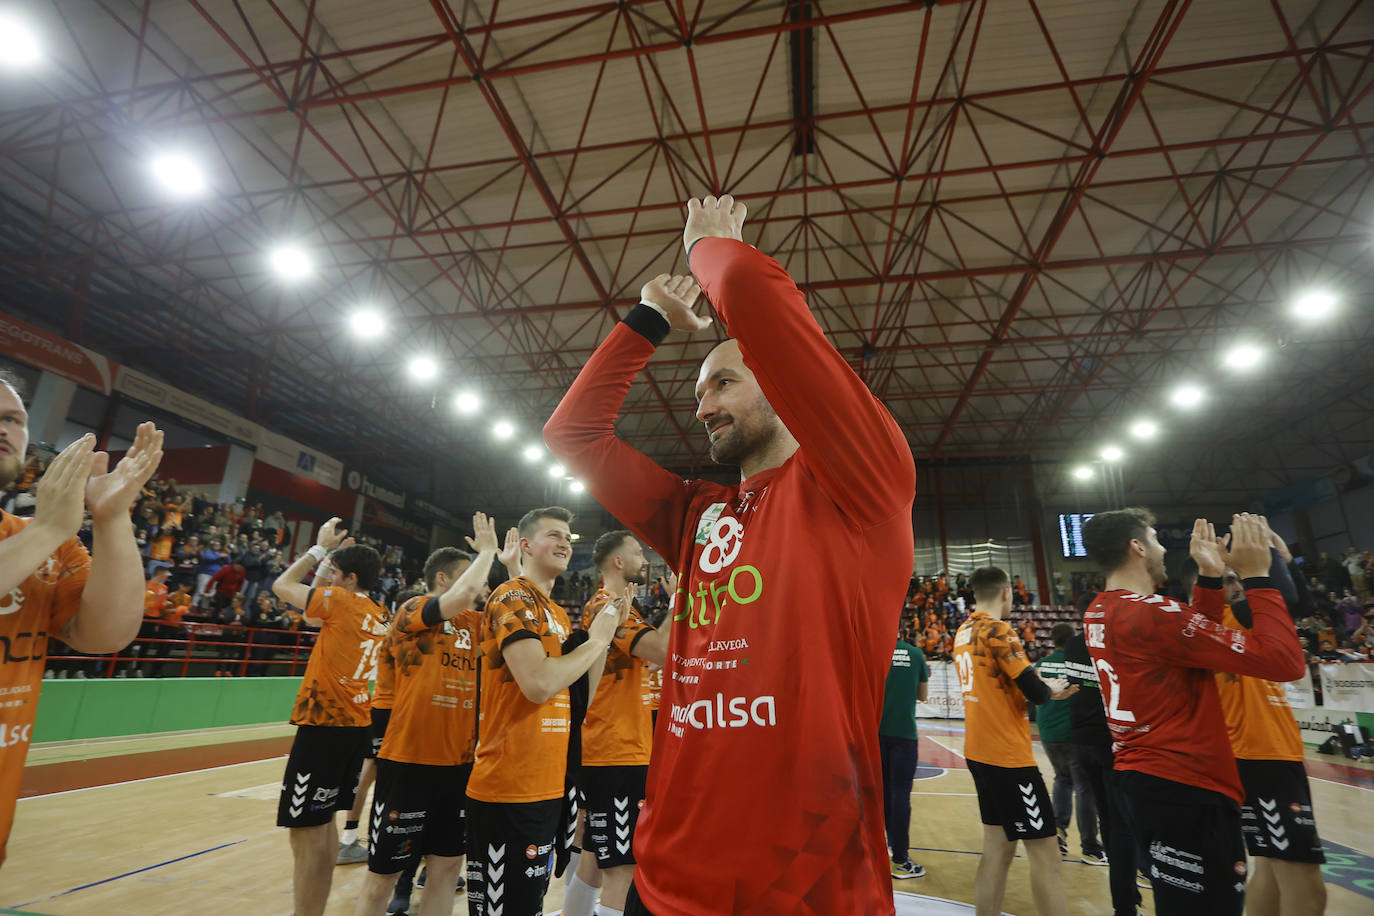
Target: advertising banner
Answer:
[[171, 398], [25, 343], [290, 455], [1348, 686], [944, 699]]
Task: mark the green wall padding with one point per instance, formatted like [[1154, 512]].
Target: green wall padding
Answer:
[[71, 710]]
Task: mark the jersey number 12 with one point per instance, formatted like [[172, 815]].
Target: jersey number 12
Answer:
[[1112, 688]]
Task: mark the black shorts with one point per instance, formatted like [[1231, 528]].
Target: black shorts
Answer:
[[1015, 799], [416, 810], [321, 774], [612, 797], [1189, 845], [512, 848], [380, 717], [1277, 818]]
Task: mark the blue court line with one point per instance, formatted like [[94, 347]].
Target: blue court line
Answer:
[[20, 912], [128, 874]]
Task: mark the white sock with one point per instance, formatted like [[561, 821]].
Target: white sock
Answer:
[[572, 866], [607, 911], [579, 899], [350, 837]]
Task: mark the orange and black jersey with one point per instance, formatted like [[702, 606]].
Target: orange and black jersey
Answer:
[[523, 753], [434, 713], [989, 657], [344, 658], [618, 730]]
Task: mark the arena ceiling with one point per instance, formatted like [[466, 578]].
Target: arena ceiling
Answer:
[[1022, 221]]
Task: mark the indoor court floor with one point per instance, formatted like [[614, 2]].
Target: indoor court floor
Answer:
[[183, 824]]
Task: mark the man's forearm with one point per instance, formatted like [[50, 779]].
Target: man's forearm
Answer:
[[22, 554], [295, 573], [112, 602], [558, 673]]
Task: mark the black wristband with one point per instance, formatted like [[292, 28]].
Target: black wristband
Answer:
[[647, 322], [1257, 582], [1212, 582]]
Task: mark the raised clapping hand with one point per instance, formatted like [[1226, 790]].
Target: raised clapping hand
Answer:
[[1249, 546], [484, 533], [109, 494], [612, 616], [676, 295], [58, 504], [510, 554], [331, 535], [712, 217], [1207, 549]]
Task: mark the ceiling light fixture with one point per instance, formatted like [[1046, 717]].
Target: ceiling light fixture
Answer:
[[1187, 396], [179, 174], [422, 368], [291, 262]]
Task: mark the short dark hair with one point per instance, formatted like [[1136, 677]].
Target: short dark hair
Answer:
[[443, 560], [608, 544], [7, 377], [988, 582], [530, 520], [1107, 536], [1061, 633], [360, 560], [1085, 600]]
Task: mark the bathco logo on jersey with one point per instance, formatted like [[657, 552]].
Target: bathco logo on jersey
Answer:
[[720, 712]]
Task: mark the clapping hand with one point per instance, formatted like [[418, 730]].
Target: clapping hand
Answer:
[[484, 533], [109, 494], [676, 295], [713, 217]]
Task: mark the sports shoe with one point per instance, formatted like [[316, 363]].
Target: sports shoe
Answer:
[[420, 878], [1142, 880], [351, 853], [1095, 857], [1063, 843], [908, 869], [462, 887], [400, 902]]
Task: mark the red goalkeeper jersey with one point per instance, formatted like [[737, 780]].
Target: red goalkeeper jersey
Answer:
[[764, 792], [1155, 660]]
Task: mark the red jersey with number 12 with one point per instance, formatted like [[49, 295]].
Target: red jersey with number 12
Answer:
[[765, 774], [1155, 658]]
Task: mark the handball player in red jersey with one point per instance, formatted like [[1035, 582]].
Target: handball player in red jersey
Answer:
[[765, 791], [1155, 660]]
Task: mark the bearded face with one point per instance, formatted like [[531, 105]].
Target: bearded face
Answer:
[[14, 436]]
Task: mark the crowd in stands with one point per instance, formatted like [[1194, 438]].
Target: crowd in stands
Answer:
[[936, 606]]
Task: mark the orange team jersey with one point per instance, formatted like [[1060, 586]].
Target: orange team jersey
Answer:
[[434, 717], [618, 730], [523, 752], [384, 688], [154, 598], [40, 607], [342, 661], [989, 657], [1259, 719]]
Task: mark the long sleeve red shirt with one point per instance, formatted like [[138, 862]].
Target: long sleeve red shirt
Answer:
[[764, 792]]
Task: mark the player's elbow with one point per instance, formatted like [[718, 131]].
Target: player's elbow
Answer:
[[534, 689]]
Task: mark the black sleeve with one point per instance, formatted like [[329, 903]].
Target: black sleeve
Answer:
[[1283, 581], [1035, 690], [430, 615]]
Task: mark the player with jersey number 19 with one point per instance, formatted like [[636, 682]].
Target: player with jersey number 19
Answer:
[[49, 584], [766, 768], [1155, 660], [333, 708]]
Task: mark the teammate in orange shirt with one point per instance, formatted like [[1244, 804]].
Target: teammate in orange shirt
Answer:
[[426, 757], [1276, 817], [351, 851], [332, 709], [616, 736], [49, 583], [997, 679], [155, 593], [518, 784]]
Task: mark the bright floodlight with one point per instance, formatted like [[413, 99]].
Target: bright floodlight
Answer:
[[1144, 429], [577, 486], [179, 174], [533, 453], [367, 324], [422, 368], [1082, 472], [1243, 356], [18, 43], [1112, 453], [1315, 304], [467, 402], [291, 262], [1187, 396], [503, 430], [557, 470]]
